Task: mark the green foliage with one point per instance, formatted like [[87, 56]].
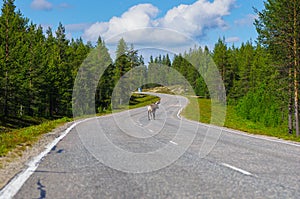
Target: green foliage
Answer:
[[235, 121], [36, 72], [279, 32], [260, 106], [140, 100]]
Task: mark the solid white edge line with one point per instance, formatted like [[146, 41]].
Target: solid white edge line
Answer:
[[271, 139], [242, 133], [178, 114], [12, 188], [237, 169], [173, 143]]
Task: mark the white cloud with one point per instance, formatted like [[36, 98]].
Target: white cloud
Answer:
[[139, 16], [140, 23], [41, 5], [194, 19]]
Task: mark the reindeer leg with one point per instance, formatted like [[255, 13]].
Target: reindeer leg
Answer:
[[149, 115]]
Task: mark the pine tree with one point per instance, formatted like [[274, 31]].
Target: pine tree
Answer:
[[122, 48], [122, 65], [233, 93], [51, 74], [245, 61], [200, 62], [151, 59], [34, 71], [122, 60], [64, 80], [92, 87], [13, 27], [106, 85], [168, 60], [221, 59], [278, 26]]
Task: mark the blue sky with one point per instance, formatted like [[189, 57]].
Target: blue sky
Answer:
[[203, 21]]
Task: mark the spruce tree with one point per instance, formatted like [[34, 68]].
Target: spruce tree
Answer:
[[278, 26], [13, 27]]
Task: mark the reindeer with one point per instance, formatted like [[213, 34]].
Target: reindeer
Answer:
[[151, 110]]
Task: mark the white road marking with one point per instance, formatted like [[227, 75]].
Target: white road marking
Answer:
[[17, 182], [237, 169], [178, 114], [151, 130], [260, 137], [271, 139], [173, 143]]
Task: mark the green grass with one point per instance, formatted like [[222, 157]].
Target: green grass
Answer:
[[140, 100], [26, 136], [161, 89], [22, 137], [234, 121]]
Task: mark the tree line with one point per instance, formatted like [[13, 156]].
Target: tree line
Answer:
[[261, 80], [37, 70]]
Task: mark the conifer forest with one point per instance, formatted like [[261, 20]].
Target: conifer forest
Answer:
[[261, 76]]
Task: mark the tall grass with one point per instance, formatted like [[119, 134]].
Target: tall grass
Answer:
[[234, 121]]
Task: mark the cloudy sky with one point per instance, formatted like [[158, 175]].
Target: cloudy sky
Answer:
[[164, 22]]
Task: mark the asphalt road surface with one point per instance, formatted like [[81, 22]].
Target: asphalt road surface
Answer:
[[127, 156]]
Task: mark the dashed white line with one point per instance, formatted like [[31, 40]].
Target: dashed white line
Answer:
[[173, 143], [175, 105], [237, 169]]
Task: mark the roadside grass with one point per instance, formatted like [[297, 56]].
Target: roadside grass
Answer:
[[160, 89], [8, 124], [198, 110], [21, 138], [140, 100], [234, 121], [24, 137]]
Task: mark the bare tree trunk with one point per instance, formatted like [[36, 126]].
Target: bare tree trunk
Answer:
[[290, 106], [296, 102], [296, 67]]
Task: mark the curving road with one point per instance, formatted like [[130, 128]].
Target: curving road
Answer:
[[126, 156]]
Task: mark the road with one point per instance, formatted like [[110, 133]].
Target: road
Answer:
[[162, 159]]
